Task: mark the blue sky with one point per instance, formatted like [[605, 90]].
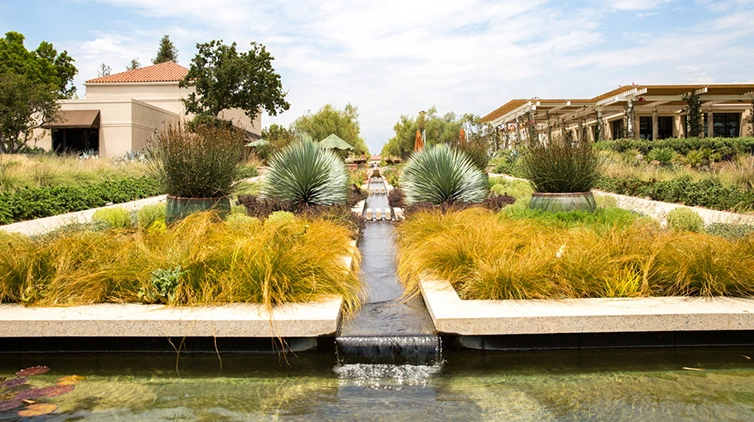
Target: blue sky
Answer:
[[395, 57]]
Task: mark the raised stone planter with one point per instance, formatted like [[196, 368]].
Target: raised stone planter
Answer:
[[557, 202], [451, 315]]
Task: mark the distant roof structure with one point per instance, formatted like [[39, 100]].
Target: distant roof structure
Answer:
[[334, 142], [162, 72]]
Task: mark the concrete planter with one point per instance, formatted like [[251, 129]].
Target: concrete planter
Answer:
[[556, 202], [178, 207]]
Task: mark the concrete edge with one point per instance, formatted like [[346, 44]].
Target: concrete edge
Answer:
[[310, 319], [451, 315]]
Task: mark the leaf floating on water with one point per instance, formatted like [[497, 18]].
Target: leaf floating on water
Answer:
[[38, 409], [34, 370], [688, 368], [53, 391], [13, 382], [10, 404], [71, 380]]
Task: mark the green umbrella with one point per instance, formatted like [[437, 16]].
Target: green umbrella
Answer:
[[258, 143], [334, 142]]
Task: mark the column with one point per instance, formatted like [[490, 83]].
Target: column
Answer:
[[600, 126], [630, 119], [654, 125]]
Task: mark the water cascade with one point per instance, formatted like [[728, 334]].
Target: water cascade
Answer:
[[388, 329]]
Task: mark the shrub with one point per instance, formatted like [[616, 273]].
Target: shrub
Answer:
[[685, 219], [304, 173], [439, 174], [204, 163], [148, 214], [730, 231], [116, 218], [664, 156], [396, 198], [561, 166], [498, 202]]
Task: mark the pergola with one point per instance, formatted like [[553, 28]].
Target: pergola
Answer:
[[520, 119]]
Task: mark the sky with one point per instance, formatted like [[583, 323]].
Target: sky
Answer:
[[398, 57]]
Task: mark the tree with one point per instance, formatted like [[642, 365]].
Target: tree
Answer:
[[438, 129], [329, 120], [225, 79], [133, 65], [31, 82], [166, 52], [104, 70]]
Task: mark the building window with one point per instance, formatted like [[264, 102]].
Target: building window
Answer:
[[725, 125], [75, 140], [664, 127], [617, 128]]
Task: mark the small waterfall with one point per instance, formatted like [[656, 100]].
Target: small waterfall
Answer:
[[389, 332], [396, 350]]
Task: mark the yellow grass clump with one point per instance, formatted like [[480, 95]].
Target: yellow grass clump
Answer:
[[241, 260], [488, 256]]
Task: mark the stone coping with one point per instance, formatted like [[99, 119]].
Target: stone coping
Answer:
[[310, 319], [451, 315]]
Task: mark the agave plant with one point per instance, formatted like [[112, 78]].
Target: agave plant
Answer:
[[441, 174], [304, 173]]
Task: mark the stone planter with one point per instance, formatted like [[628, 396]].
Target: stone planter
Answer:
[[177, 207], [556, 202]]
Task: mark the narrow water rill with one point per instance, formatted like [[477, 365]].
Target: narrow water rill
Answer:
[[388, 329]]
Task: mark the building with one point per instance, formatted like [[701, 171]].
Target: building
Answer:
[[120, 113], [632, 111]]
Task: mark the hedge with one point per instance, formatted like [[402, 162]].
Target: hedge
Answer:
[[47, 201], [706, 193], [726, 146]]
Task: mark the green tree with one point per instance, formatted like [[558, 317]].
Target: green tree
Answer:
[[166, 52], [439, 129], [225, 79], [31, 82], [328, 120], [104, 70], [133, 65]]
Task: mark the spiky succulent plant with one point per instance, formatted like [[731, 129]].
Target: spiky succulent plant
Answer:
[[441, 174], [306, 174]]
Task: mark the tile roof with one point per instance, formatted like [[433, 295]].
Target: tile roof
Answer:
[[162, 72]]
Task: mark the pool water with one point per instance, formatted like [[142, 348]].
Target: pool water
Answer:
[[668, 385]]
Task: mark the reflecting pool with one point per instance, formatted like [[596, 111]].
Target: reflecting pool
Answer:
[[692, 384]]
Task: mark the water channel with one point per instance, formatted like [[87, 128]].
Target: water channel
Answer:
[[388, 365]]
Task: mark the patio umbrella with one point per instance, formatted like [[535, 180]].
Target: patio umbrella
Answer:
[[419, 143], [334, 142], [462, 137], [258, 143]]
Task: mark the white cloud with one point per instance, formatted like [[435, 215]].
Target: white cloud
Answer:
[[400, 56]]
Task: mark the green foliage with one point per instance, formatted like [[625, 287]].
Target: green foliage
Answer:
[[506, 162], [560, 166], [166, 52], [116, 218], [163, 287], [440, 174], [709, 193], [278, 137], [30, 84], [442, 129], [225, 79], [685, 219], [730, 231], [725, 147], [516, 188], [303, 173], [329, 120], [599, 220], [133, 65], [34, 203], [280, 216], [664, 155], [201, 164], [149, 214]]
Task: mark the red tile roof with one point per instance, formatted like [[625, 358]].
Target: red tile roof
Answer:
[[163, 72]]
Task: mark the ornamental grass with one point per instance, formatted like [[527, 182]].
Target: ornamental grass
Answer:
[[491, 256], [200, 260]]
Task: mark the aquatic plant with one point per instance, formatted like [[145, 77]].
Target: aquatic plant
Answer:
[[440, 174]]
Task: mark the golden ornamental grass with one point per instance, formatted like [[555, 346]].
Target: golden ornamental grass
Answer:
[[488, 256], [242, 260]]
